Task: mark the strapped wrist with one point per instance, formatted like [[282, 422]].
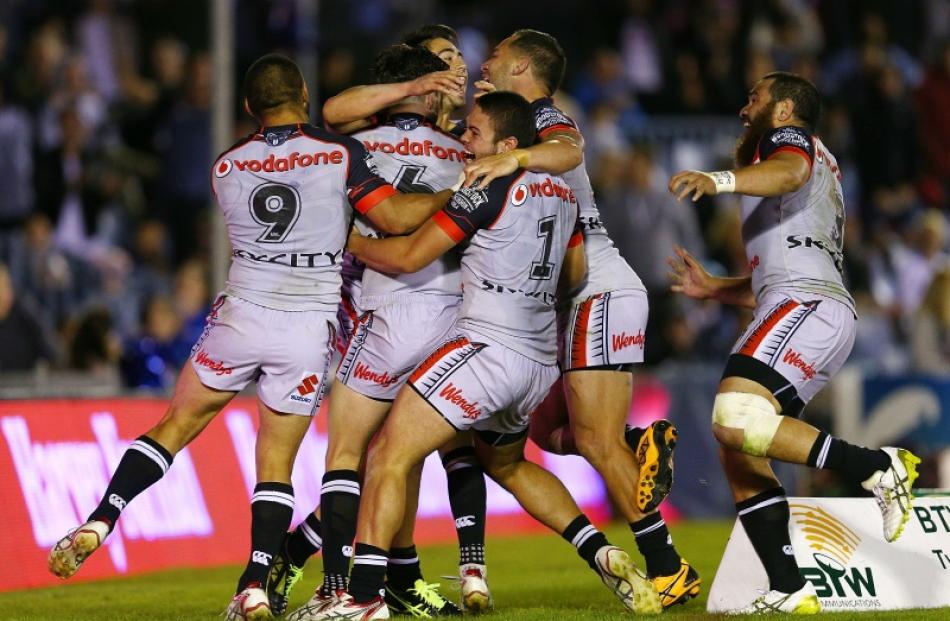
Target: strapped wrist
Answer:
[[725, 180], [522, 156]]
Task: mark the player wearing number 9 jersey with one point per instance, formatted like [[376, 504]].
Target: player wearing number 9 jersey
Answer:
[[288, 192]]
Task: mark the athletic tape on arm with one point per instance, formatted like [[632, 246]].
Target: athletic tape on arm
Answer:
[[753, 414]]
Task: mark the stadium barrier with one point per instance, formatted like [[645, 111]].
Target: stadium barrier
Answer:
[[56, 458], [840, 549]]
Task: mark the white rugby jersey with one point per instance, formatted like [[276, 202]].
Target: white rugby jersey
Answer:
[[518, 230], [796, 240], [288, 195], [414, 156], [607, 270]]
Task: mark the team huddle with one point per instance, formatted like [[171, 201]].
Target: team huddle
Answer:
[[461, 268]]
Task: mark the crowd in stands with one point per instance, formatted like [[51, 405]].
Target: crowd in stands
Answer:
[[105, 146]]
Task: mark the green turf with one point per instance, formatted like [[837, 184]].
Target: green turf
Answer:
[[532, 578]]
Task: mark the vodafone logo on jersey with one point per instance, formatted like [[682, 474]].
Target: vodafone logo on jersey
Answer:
[[272, 163], [520, 195]]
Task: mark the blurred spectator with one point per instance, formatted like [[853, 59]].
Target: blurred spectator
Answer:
[[933, 107], [930, 330], [152, 359], [192, 301], [16, 162], [94, 345], [24, 343]]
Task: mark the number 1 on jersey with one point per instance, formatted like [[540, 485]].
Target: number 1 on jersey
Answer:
[[544, 269]]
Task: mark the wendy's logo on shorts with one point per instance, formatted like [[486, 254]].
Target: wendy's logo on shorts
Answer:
[[453, 394], [217, 366], [624, 340], [794, 359], [383, 379]]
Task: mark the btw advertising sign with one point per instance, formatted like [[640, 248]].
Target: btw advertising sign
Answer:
[[56, 458]]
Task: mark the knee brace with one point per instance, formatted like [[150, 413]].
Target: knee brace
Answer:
[[753, 414]]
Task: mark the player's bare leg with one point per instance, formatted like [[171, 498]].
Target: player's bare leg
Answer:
[[546, 499], [144, 463], [746, 418]]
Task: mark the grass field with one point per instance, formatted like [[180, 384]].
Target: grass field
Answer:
[[532, 578]]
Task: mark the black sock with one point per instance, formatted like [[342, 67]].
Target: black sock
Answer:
[[467, 498], [144, 463], [632, 436], [586, 538], [305, 541], [656, 545], [856, 463], [272, 508], [765, 519], [339, 505], [403, 569], [369, 571]]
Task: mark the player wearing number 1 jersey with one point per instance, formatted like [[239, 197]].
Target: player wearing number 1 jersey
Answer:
[[800, 335], [288, 193], [602, 326]]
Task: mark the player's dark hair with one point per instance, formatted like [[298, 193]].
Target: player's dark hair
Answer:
[[273, 80], [546, 55], [510, 115], [401, 63], [422, 35], [803, 94]]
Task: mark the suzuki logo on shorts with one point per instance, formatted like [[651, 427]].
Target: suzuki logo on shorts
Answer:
[[117, 501], [465, 521], [624, 340], [794, 359], [308, 385], [453, 395], [260, 557]]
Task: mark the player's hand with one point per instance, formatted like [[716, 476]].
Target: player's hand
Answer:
[[479, 173], [482, 87], [689, 277], [691, 182], [448, 82]]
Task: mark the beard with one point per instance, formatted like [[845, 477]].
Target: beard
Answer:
[[748, 142]]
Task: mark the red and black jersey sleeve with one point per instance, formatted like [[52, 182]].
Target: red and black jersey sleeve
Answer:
[[364, 187], [787, 139], [548, 118], [469, 209], [577, 236]]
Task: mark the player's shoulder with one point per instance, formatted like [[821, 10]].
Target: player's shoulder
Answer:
[[548, 117], [788, 136], [240, 143], [319, 134], [494, 194]]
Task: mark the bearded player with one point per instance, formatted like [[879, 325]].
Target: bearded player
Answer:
[[802, 331], [602, 328]]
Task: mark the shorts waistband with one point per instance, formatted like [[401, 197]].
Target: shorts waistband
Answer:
[[375, 301]]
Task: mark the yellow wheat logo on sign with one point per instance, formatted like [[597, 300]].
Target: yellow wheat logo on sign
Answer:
[[825, 533]]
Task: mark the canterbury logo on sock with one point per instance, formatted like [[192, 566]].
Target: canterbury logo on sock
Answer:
[[788, 550], [348, 551], [465, 520], [117, 501], [261, 557]]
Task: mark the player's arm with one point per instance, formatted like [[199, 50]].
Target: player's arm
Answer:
[[690, 278], [352, 109], [402, 254], [786, 158], [574, 270], [559, 152], [400, 214]]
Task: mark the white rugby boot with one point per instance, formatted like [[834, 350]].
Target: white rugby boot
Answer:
[[892, 490], [473, 582], [69, 552], [251, 604], [318, 601], [345, 607], [629, 584], [804, 601]]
